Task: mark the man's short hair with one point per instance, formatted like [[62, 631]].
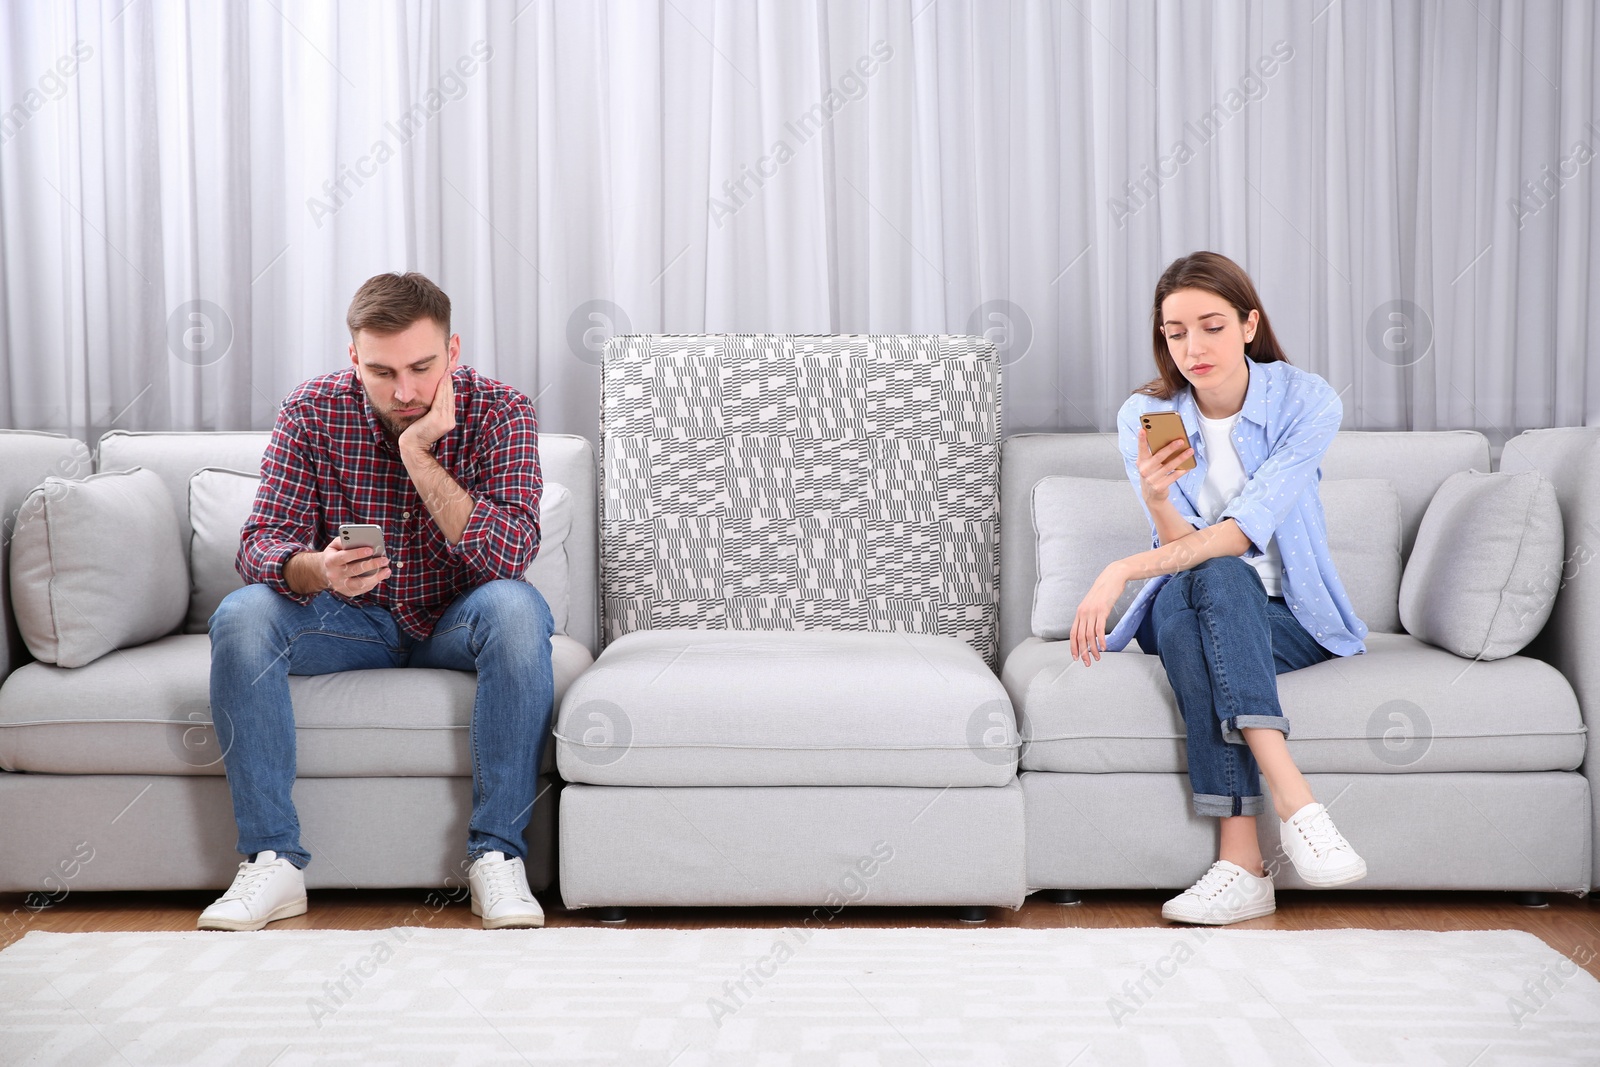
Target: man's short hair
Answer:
[[390, 303]]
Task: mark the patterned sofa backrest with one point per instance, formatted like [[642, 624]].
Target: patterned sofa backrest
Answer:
[[564, 459], [801, 482], [1416, 462]]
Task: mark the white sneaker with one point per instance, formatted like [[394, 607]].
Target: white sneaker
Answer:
[[1227, 893], [265, 891], [500, 893], [1319, 852]]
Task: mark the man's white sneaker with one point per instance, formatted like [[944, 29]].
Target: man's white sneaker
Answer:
[[269, 889], [500, 893], [1227, 893], [1319, 852]]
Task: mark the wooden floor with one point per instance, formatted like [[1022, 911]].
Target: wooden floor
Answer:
[[1569, 925]]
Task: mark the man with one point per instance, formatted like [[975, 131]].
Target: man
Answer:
[[446, 461]]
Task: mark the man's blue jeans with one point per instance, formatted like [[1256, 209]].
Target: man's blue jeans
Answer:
[[501, 630], [1223, 642]]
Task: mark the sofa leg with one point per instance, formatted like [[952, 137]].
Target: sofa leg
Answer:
[[1062, 896], [1531, 900], [611, 915], [973, 914]]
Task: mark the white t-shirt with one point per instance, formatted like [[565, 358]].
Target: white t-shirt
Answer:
[[1225, 478]]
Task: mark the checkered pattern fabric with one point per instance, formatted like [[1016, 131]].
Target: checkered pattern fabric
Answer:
[[795, 482]]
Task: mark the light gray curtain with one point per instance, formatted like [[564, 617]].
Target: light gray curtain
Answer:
[[191, 191]]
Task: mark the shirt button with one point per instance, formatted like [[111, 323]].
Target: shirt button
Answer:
[[399, 566], [405, 514]]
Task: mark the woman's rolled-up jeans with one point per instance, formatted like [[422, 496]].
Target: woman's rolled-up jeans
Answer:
[[1223, 643]]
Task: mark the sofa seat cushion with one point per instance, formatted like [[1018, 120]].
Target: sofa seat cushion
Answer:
[[770, 707], [1403, 706], [146, 710]]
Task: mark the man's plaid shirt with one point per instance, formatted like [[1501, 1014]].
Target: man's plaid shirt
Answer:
[[330, 463]]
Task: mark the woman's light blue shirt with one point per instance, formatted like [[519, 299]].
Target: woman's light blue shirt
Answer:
[[1288, 421]]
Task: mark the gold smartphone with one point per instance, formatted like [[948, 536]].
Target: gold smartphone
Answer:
[[1161, 428]]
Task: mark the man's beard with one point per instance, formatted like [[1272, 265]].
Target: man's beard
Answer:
[[391, 423]]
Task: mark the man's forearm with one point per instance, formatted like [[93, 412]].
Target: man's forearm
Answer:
[[303, 573], [449, 504], [1221, 539], [1170, 526]]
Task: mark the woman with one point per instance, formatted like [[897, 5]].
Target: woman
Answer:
[[1247, 589]]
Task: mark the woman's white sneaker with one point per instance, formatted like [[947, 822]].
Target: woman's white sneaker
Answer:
[[1319, 852], [1227, 893], [269, 889], [500, 892]]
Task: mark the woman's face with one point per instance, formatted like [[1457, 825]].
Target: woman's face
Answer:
[[1206, 340]]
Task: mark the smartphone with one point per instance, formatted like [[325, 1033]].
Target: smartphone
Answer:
[[362, 535], [1161, 428]]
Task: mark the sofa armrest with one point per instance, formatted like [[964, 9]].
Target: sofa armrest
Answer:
[[1570, 458]]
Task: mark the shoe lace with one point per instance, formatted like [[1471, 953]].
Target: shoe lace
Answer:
[[1214, 881], [1321, 835], [247, 881], [501, 880]]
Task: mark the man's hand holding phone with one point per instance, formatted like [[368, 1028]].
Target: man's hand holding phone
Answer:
[[354, 562]]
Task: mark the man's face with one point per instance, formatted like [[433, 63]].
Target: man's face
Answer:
[[401, 371]]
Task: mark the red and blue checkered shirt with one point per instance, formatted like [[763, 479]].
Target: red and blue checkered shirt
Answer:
[[330, 463]]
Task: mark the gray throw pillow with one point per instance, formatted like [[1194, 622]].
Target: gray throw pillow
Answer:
[[97, 565], [219, 505], [1483, 574], [1080, 525], [1364, 533]]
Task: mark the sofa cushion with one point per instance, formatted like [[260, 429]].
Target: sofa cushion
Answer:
[[1364, 532], [1083, 524], [728, 707], [1483, 575], [146, 710], [96, 565], [1403, 706], [549, 570], [1080, 526], [219, 505]]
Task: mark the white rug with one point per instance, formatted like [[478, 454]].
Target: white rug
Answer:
[[791, 997]]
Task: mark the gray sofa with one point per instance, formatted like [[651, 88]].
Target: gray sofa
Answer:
[[762, 764], [116, 759], [1490, 786]]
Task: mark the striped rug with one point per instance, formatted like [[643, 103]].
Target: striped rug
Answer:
[[795, 996]]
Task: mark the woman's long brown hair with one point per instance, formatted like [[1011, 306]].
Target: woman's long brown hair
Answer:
[[1220, 276]]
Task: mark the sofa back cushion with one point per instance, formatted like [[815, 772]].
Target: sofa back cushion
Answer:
[[220, 502], [95, 566], [1482, 579], [1416, 462], [1364, 536], [799, 483], [565, 459], [1083, 524], [27, 457]]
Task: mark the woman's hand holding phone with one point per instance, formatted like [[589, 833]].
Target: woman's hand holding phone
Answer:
[[1157, 471]]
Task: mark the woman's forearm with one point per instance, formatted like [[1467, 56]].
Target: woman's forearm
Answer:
[[1221, 539], [1170, 526]]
